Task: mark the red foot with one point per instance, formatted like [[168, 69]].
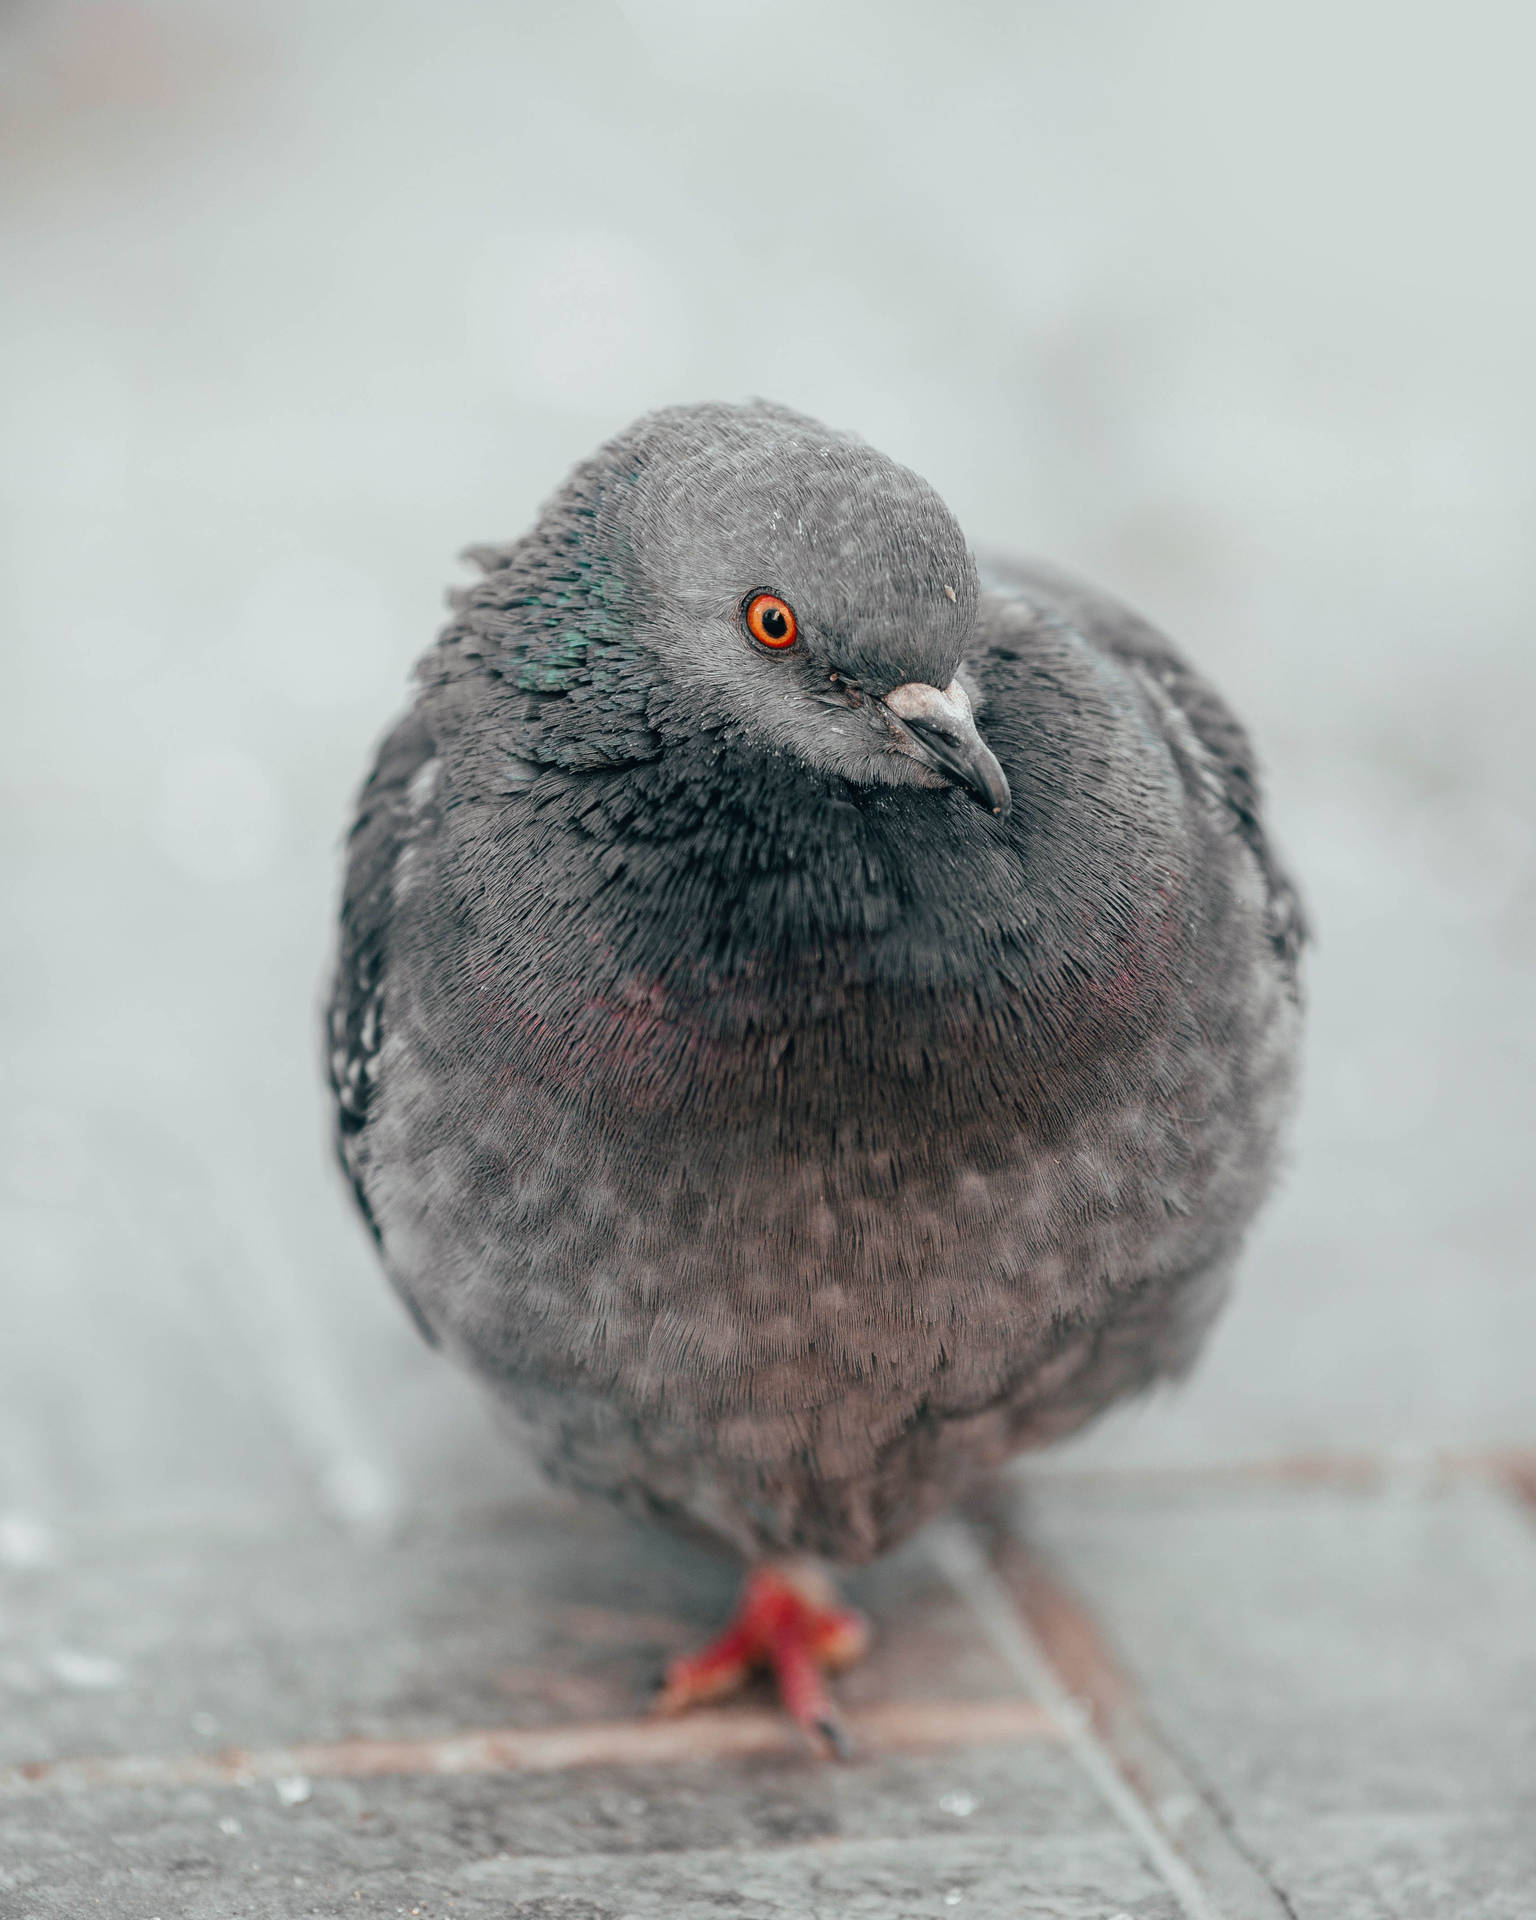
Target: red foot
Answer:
[[787, 1619]]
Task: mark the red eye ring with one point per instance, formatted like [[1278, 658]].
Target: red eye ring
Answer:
[[771, 621]]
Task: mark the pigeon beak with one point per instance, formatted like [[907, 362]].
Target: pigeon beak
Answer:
[[938, 729]]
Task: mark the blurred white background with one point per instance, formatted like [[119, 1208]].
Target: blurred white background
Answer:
[[1230, 307]]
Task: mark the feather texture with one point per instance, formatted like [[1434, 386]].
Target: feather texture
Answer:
[[787, 1145]]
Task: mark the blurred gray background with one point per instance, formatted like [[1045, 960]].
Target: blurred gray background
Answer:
[[1230, 307]]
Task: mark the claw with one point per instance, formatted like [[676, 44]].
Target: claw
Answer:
[[838, 1738]]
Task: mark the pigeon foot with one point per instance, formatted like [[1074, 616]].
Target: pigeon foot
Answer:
[[788, 1620]]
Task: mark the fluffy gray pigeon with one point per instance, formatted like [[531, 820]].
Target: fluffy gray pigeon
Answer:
[[815, 1014]]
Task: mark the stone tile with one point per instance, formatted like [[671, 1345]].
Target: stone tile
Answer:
[[262, 1640], [745, 1841], [1413, 1866], [1337, 1665], [1068, 1877], [528, 1616], [444, 1825], [538, 1617]]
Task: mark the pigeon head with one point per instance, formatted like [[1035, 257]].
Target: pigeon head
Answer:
[[794, 586], [741, 572]]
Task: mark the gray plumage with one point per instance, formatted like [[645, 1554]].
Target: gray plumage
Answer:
[[785, 1137]]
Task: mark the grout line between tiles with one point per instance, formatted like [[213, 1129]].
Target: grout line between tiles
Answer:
[[963, 1564], [912, 1726], [1184, 1805]]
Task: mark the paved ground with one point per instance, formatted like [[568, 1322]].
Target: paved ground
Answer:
[[1217, 304], [1307, 1694]]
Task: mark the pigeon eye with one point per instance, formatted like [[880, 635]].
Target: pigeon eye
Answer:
[[771, 621]]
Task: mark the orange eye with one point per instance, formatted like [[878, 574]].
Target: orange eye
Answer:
[[771, 621]]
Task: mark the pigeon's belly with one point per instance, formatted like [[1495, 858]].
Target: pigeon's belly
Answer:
[[670, 1284], [821, 1356]]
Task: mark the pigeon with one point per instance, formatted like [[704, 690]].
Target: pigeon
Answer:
[[816, 1012]]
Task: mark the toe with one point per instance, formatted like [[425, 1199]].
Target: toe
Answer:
[[839, 1638], [719, 1669]]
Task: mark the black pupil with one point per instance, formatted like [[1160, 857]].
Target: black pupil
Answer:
[[774, 623]]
